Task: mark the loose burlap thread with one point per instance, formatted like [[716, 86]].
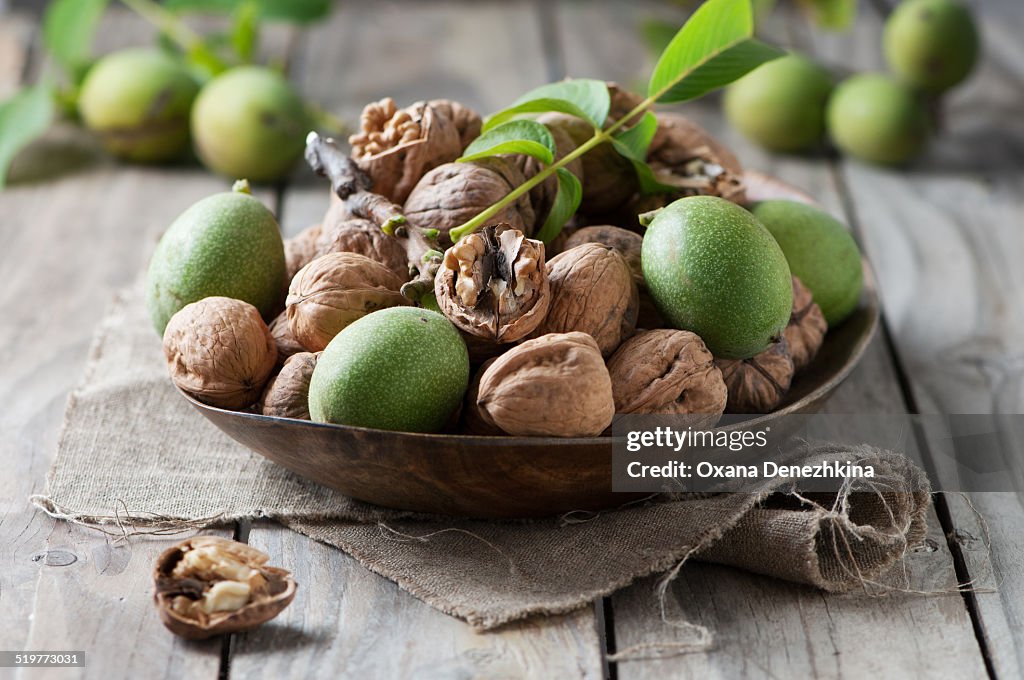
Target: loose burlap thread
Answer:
[[132, 451]]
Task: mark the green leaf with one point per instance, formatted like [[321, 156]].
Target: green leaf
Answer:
[[245, 29], [633, 143], [295, 11], [567, 200], [834, 15], [23, 118], [516, 136], [68, 29], [585, 98], [712, 49]]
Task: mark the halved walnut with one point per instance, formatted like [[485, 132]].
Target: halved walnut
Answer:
[[208, 586], [492, 284]]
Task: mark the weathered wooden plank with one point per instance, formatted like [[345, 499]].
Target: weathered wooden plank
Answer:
[[95, 594], [15, 40], [361, 625], [70, 235], [945, 237], [345, 617], [765, 627]]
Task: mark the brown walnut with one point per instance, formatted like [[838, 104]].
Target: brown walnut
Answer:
[[467, 121], [287, 345], [287, 393], [758, 384], [806, 329], [362, 236], [396, 147], [334, 290], [208, 585], [592, 291], [492, 284], [454, 193], [300, 250], [219, 350], [609, 178], [686, 156], [626, 243], [542, 196], [667, 371], [555, 385]]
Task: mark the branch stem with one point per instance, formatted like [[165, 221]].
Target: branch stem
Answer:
[[600, 136], [174, 28]]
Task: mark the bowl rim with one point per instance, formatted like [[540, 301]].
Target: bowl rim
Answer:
[[870, 303]]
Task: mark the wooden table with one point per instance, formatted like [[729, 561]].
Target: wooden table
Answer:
[[946, 239]]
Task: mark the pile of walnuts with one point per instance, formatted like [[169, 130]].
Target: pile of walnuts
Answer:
[[563, 336]]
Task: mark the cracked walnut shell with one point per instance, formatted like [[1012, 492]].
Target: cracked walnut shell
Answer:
[[219, 350], [334, 290], [287, 393], [396, 147], [806, 330], [667, 371], [556, 385], [758, 384], [207, 586], [492, 284], [592, 291]]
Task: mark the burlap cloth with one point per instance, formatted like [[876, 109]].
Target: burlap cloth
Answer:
[[132, 450]]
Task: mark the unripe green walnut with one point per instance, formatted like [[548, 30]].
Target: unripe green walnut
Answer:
[[137, 101], [400, 368], [226, 245], [781, 104], [931, 44], [876, 119], [249, 122]]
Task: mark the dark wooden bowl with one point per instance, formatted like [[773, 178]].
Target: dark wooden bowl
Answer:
[[506, 477]]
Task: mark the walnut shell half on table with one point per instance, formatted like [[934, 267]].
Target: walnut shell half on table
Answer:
[[667, 371], [220, 351], [207, 585]]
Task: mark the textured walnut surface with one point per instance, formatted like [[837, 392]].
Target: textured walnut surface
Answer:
[[397, 146], [667, 371], [454, 193], [334, 290], [493, 284], [758, 384], [287, 393], [807, 327], [592, 291], [356, 235], [207, 586], [220, 351], [554, 385]]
